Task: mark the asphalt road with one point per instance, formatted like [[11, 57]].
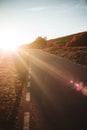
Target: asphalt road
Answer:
[[59, 88]]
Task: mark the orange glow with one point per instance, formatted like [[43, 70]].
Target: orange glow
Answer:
[[9, 38], [9, 48]]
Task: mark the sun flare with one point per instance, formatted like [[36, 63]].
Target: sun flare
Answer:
[[9, 40], [9, 48]]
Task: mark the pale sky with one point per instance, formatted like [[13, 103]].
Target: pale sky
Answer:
[[22, 21]]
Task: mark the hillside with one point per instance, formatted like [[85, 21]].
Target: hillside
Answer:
[[73, 47], [78, 40]]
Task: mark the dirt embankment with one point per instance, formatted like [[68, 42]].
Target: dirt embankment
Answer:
[[11, 87]]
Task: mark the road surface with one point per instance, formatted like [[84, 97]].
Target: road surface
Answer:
[[58, 93]]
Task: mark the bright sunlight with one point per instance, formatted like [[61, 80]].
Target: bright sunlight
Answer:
[[9, 39]]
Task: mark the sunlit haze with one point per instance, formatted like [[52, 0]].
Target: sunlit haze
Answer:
[[22, 21]]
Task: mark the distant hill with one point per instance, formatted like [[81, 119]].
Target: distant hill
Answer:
[[79, 39], [72, 47], [74, 40]]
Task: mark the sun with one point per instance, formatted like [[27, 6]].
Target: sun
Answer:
[[9, 48], [9, 39]]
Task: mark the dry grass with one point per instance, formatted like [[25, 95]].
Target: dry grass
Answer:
[[75, 54], [72, 47], [11, 86]]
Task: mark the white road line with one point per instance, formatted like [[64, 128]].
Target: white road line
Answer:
[[26, 120], [28, 84], [28, 96]]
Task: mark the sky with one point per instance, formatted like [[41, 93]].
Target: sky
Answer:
[[22, 21]]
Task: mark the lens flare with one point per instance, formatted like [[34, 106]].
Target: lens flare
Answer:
[[84, 91], [71, 81], [78, 86]]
